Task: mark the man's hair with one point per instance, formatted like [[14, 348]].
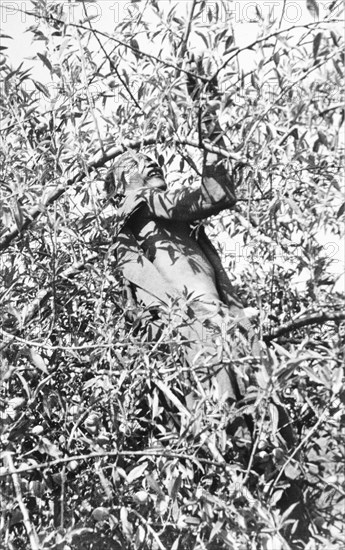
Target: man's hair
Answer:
[[117, 177]]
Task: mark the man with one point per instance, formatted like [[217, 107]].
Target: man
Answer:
[[164, 256]]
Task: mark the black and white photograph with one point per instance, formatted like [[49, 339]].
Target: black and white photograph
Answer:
[[172, 286]]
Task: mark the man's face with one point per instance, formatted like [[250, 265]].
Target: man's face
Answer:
[[148, 174]]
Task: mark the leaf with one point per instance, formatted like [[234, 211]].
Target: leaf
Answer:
[[156, 409], [126, 525], [276, 58], [18, 215], [323, 138], [274, 414], [135, 47], [42, 88], [316, 44], [203, 37], [191, 520], [38, 361], [168, 393], [45, 61], [292, 472], [176, 487], [228, 43], [341, 211], [337, 381], [16, 403], [46, 446], [100, 513], [153, 484], [313, 7], [136, 472]]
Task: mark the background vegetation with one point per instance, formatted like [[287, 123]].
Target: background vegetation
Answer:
[[89, 457]]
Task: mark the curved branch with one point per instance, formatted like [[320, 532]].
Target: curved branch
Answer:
[[166, 453], [257, 41], [306, 320], [120, 42], [97, 162], [340, 106]]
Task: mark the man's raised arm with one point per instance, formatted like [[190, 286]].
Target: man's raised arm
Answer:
[[217, 190], [214, 194]]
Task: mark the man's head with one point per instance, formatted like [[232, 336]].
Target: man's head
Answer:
[[131, 171]]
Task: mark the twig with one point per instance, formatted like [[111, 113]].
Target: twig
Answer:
[[257, 439], [183, 46], [42, 345], [333, 108], [111, 63], [286, 90], [97, 162], [306, 320], [30, 529], [263, 39], [211, 149], [150, 452], [87, 90], [120, 42], [150, 529], [299, 447]]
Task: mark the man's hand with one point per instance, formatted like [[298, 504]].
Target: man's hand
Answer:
[[216, 178], [207, 97]]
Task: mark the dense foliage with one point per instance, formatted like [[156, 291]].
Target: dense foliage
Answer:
[[95, 442]]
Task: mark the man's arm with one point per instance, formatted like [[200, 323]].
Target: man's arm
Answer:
[[217, 190], [215, 193], [189, 204]]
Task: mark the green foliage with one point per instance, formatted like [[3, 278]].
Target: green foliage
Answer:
[[93, 419]]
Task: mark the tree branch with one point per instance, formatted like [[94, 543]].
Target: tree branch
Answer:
[[263, 39], [306, 320], [183, 45], [120, 42], [30, 529], [97, 162], [44, 295], [106, 454], [340, 106]]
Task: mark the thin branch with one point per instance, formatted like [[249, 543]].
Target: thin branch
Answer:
[[150, 529], [87, 89], [299, 447], [183, 46], [112, 64], [258, 436], [30, 529], [287, 89], [306, 320], [97, 162], [104, 454], [120, 42], [333, 108], [263, 39]]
